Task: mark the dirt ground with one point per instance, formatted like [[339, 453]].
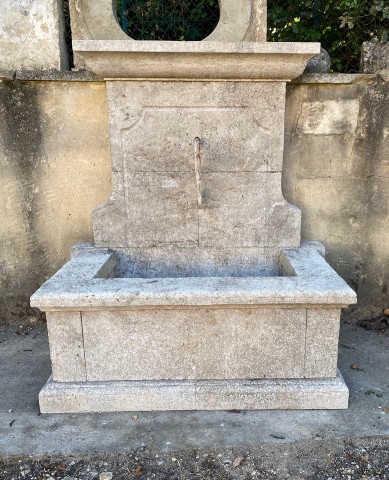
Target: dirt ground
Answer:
[[351, 444], [358, 459]]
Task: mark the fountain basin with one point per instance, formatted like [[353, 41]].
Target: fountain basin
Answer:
[[89, 281], [119, 59], [160, 339]]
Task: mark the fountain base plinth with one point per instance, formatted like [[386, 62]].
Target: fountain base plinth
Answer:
[[297, 394]]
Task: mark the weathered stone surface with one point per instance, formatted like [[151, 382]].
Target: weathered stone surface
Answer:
[[195, 60], [246, 210], [153, 167], [94, 19], [319, 63], [330, 117], [322, 337], [79, 286], [153, 344], [309, 394], [289, 394], [338, 181], [188, 328], [55, 169], [336, 79], [375, 57], [168, 203], [243, 21], [32, 35], [173, 262], [66, 346]]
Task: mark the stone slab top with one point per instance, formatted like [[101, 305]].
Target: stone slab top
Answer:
[[76, 75], [176, 47], [113, 59], [336, 78], [86, 283]]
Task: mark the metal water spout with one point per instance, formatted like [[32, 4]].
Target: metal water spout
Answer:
[[197, 147]]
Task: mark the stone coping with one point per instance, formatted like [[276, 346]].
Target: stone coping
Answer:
[[177, 47], [86, 76], [121, 59], [86, 283], [49, 76], [336, 78]]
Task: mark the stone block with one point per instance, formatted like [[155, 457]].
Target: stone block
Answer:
[[329, 117], [249, 343], [320, 63], [66, 346], [375, 57], [312, 394], [173, 128], [77, 286], [234, 210], [152, 138], [153, 125], [247, 210], [161, 209], [322, 337], [32, 35], [202, 343], [167, 60], [289, 394]]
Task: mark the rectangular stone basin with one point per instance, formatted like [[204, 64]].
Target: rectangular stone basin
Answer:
[[108, 329], [196, 262], [90, 280]]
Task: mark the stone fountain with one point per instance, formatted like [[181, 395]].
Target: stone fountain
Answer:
[[197, 292]]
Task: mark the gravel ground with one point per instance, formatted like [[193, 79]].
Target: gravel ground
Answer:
[[359, 459]]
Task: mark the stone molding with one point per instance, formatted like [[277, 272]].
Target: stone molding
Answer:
[[195, 60], [86, 283]]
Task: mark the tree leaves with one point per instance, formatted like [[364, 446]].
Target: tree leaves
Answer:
[[340, 25]]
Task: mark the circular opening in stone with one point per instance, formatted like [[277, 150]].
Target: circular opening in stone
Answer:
[[168, 19]]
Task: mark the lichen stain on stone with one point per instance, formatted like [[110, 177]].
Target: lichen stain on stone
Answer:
[[20, 120]]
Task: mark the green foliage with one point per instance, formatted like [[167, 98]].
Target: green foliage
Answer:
[[340, 25]]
